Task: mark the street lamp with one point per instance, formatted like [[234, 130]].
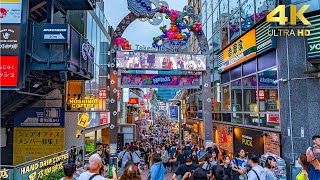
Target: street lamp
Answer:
[[179, 118]]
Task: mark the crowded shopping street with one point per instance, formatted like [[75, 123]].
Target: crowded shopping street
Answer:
[[160, 89]]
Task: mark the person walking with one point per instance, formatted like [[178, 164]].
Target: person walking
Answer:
[[124, 156], [95, 164], [313, 157], [165, 157], [257, 172], [184, 168], [157, 169], [136, 156], [269, 168], [226, 166], [303, 175]]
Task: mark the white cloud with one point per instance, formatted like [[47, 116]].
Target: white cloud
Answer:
[[137, 32]]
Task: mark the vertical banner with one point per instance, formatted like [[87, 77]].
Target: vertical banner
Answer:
[[173, 112]]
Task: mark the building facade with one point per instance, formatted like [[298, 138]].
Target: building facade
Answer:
[[263, 98]]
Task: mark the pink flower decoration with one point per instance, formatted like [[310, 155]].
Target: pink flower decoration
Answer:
[[197, 27], [163, 9], [171, 35], [174, 14]]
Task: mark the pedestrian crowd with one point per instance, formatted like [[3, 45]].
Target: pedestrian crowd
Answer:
[[159, 151]]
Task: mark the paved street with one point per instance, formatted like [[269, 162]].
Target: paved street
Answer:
[[167, 176]]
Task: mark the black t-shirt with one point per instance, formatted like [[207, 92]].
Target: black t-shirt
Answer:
[[183, 168], [181, 159]]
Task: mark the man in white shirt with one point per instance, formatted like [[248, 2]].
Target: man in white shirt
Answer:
[[136, 156], [257, 172], [95, 164]]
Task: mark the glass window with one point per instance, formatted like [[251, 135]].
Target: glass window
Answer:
[[216, 42], [209, 8], [224, 11], [226, 117], [234, 26], [267, 61], [224, 36], [235, 73], [249, 67], [233, 6], [247, 15], [249, 94], [251, 119], [203, 13], [263, 7], [237, 118], [236, 96], [204, 28], [268, 91], [225, 77], [209, 27], [215, 17], [270, 120], [215, 3], [217, 116], [226, 98], [89, 27]]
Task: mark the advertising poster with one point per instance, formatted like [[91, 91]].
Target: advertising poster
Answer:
[[33, 143], [10, 11], [158, 80], [9, 71], [173, 112], [104, 118], [9, 39], [161, 61], [249, 140]]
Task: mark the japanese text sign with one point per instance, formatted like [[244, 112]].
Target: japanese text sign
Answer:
[[104, 118], [10, 11], [102, 93], [83, 121], [36, 142], [9, 39], [8, 70], [241, 50]]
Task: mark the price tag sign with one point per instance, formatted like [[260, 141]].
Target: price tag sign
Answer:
[[83, 121]]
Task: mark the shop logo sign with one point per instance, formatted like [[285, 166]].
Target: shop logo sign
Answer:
[[9, 39], [314, 47], [247, 140], [10, 12], [3, 12], [282, 19]]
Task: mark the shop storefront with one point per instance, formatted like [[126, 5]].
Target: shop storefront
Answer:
[[223, 136]]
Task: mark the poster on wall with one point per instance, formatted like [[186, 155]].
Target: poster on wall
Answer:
[[249, 140], [159, 80], [41, 117], [10, 11], [10, 39], [33, 143], [173, 112], [9, 71], [160, 61]]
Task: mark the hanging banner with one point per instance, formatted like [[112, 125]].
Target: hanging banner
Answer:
[[173, 112], [161, 61], [241, 50], [158, 80]]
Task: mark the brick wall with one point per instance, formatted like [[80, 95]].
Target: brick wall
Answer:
[[272, 143], [226, 142]]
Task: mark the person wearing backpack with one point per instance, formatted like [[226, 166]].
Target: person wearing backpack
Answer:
[[313, 157], [157, 169], [164, 157], [239, 166], [124, 156], [257, 172], [136, 156]]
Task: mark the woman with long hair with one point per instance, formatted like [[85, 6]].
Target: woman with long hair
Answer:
[[226, 166], [207, 164], [157, 169], [218, 174], [270, 166], [303, 175], [131, 172]]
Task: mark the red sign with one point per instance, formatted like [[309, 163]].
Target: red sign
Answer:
[[133, 101], [273, 118], [104, 118], [147, 111], [142, 103], [102, 93], [8, 70], [118, 94], [260, 94]]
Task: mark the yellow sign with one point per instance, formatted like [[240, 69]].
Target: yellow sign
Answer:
[[83, 103], [10, 1], [240, 51], [83, 121], [36, 142], [79, 133]]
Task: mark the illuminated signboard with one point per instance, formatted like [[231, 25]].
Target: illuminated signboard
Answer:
[[83, 103], [102, 93], [133, 101], [241, 50], [160, 61]]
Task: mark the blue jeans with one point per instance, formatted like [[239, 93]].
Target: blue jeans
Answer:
[[313, 174]]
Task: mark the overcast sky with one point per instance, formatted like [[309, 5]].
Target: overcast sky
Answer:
[[138, 32]]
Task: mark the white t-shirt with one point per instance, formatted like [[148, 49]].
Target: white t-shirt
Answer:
[[260, 171], [86, 175], [136, 156]]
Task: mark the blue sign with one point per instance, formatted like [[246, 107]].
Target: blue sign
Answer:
[[55, 33], [173, 112], [40, 117]]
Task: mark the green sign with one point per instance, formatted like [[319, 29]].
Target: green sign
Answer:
[[313, 41], [90, 147], [264, 42]]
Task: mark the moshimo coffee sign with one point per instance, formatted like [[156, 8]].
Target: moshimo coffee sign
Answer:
[[10, 39]]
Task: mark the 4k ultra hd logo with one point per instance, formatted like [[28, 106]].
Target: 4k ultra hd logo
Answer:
[[286, 27]]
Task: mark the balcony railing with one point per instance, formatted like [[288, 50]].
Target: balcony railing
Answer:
[[59, 57]]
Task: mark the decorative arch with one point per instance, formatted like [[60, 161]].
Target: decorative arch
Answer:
[[206, 79]]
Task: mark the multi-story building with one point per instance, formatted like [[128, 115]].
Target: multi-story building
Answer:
[[62, 59], [263, 87]]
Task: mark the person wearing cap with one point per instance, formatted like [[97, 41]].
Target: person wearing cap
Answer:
[[189, 166], [313, 157]]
